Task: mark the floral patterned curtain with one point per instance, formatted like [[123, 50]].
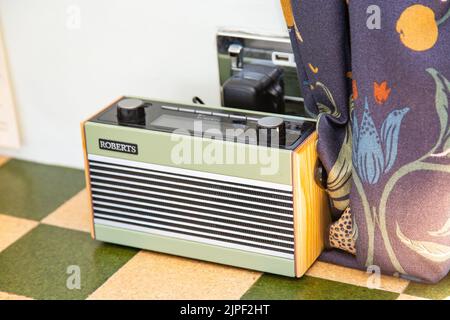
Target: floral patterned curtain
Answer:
[[377, 74]]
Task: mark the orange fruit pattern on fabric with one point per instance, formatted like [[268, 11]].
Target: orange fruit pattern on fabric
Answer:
[[418, 28]]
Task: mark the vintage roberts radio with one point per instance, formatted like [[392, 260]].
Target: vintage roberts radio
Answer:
[[194, 181]]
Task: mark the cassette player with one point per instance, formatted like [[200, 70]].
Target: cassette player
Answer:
[[224, 185]]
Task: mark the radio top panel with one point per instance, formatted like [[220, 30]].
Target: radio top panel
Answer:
[[235, 125]]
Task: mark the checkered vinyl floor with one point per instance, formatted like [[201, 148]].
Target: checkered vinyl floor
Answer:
[[44, 233]]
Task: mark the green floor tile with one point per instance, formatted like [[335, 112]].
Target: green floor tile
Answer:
[[273, 287], [36, 265], [437, 291], [30, 190]]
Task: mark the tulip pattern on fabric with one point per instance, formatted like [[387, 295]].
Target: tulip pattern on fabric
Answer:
[[381, 92], [375, 153]]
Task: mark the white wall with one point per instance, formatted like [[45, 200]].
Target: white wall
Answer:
[[162, 49]]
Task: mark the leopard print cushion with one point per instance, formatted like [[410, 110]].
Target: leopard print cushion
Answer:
[[343, 233]]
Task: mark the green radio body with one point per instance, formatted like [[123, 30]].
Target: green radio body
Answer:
[[146, 193]]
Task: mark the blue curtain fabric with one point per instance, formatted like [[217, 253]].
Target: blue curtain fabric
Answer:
[[377, 75]]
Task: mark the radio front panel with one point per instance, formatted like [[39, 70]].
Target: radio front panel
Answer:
[[209, 208]]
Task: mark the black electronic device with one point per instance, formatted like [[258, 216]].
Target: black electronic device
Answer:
[[255, 87]]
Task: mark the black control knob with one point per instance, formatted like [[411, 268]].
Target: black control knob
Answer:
[[271, 131], [320, 175], [131, 111]]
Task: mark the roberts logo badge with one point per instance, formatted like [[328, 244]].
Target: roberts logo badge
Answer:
[[118, 146]]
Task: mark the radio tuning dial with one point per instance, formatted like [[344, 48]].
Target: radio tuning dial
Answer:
[[271, 127], [131, 111]]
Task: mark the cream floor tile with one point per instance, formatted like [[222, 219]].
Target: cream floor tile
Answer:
[[3, 160], [8, 296], [408, 297], [12, 228], [74, 214], [356, 277], [151, 275]]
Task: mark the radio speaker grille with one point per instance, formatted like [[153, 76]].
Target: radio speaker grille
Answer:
[[230, 212]]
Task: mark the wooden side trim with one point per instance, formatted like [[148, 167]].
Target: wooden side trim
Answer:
[[287, 12], [86, 165], [311, 207], [88, 179]]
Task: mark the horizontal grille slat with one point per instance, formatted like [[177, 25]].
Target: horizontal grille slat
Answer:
[[231, 223], [192, 181], [261, 221], [213, 225], [227, 211], [188, 189], [286, 253], [188, 204], [186, 198], [249, 235]]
